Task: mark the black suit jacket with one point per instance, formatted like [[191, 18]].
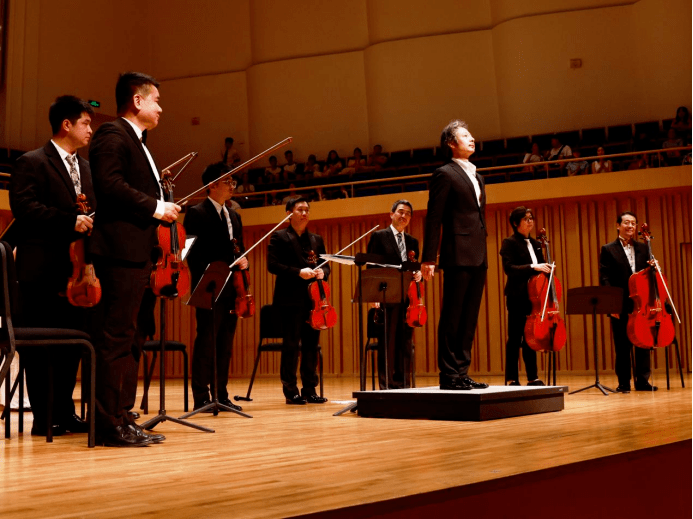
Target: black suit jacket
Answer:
[[127, 190], [383, 242], [517, 264], [213, 242], [42, 199], [452, 204], [614, 269], [285, 260]]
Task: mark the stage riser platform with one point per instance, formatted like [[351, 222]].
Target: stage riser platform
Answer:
[[478, 405]]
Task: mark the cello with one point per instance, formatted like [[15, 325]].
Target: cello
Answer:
[[416, 311], [170, 276], [545, 329], [323, 315], [245, 303], [651, 324], [83, 287]]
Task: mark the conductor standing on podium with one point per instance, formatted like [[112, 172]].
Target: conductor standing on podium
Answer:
[[457, 202]]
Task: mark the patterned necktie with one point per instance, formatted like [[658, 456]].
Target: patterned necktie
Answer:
[[74, 174], [400, 244], [226, 220]]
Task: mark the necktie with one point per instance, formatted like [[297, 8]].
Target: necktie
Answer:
[[144, 137], [74, 174], [400, 244], [226, 220]]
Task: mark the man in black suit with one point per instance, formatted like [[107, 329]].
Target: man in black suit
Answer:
[[287, 258], [131, 206], [457, 203], [617, 262], [522, 259], [215, 226], [43, 191], [394, 243]]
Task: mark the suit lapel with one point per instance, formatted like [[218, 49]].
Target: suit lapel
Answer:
[[61, 170], [620, 253], [125, 125]]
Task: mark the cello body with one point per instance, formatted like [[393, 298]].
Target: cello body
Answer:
[[651, 324], [83, 287], [544, 328]]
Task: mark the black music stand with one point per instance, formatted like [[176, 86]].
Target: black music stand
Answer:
[[382, 285], [595, 300], [205, 296]]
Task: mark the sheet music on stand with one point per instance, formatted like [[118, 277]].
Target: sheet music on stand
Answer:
[[351, 260], [189, 240]]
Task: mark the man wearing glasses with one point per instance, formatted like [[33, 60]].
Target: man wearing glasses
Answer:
[[216, 227]]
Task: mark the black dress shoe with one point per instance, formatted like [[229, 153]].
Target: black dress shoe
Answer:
[[455, 385], [473, 383], [75, 424], [512, 383], [42, 430], [229, 403], [536, 382], [134, 415], [645, 386], [296, 400], [315, 399], [623, 388], [122, 436], [154, 437]]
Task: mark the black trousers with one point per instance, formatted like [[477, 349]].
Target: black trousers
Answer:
[[623, 347], [208, 322], [299, 339], [399, 338], [463, 288], [41, 306], [118, 347], [516, 342]]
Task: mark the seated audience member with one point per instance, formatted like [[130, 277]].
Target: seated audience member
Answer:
[[273, 173], [378, 159], [273, 198], [333, 164], [532, 157], [290, 168], [687, 159], [682, 123], [355, 164], [578, 167], [343, 192], [311, 169], [229, 155], [559, 150], [672, 157], [600, 165], [233, 204], [319, 196], [640, 162], [292, 194], [245, 187]]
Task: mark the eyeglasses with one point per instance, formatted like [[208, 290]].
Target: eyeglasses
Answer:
[[231, 183]]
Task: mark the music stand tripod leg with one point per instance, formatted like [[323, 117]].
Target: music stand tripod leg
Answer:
[[162, 416]]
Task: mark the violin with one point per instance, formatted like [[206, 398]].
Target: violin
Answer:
[[83, 287], [416, 311], [245, 303], [545, 329], [651, 324], [323, 315], [170, 276]]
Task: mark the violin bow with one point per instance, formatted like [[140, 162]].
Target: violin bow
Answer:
[[546, 300], [189, 158], [239, 258], [235, 170], [345, 248], [661, 277]]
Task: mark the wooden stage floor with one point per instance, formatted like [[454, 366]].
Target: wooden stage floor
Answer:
[[289, 461]]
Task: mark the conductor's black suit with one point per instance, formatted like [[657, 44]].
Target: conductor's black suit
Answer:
[[453, 204]]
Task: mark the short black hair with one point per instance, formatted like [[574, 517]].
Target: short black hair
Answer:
[[287, 152], [402, 202], [357, 149], [448, 137], [296, 200], [518, 214], [213, 172], [67, 107], [129, 84], [619, 219], [228, 140]]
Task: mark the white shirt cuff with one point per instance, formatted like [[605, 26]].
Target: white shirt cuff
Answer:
[[160, 209]]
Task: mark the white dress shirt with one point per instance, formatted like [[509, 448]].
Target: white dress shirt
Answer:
[[470, 170]]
